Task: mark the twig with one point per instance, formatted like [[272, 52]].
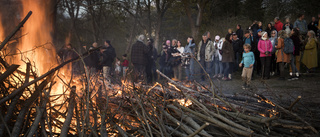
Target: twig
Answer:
[[198, 130], [293, 103]]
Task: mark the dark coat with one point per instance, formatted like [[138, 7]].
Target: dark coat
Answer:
[[93, 59], [227, 52], [239, 33], [313, 27], [107, 56], [284, 26], [237, 45], [138, 53], [269, 30], [297, 45]]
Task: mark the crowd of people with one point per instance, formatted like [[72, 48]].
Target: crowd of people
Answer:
[[254, 49]]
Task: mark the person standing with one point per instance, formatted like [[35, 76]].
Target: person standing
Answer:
[[217, 57], [282, 57], [237, 49], [294, 72], [247, 62], [152, 58], [175, 60], [269, 29], [227, 57], [138, 58], [301, 24], [108, 55], [310, 58], [239, 32], [188, 53], [274, 42], [265, 49], [313, 25], [180, 52], [278, 24], [287, 26], [205, 52], [93, 59]]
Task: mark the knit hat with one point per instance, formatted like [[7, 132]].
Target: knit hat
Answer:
[[217, 37], [259, 30]]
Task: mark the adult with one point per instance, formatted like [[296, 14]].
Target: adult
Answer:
[[248, 37], [278, 24], [295, 57], [282, 57], [310, 58], [287, 26], [265, 49], [254, 27], [239, 32], [217, 57], [175, 60], [274, 42], [205, 52], [165, 66], [178, 69], [138, 58], [318, 22], [313, 25], [269, 29], [151, 61], [301, 24], [237, 49], [189, 55], [93, 59], [107, 56], [227, 57]]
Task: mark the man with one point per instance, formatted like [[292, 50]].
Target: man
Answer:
[[205, 53], [92, 61], [151, 64], [107, 54], [174, 60], [301, 24], [313, 25], [278, 24], [138, 58], [239, 32], [237, 49]]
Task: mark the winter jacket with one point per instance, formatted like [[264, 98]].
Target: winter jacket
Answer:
[[227, 52], [310, 58], [264, 46], [281, 56], [290, 26], [278, 25], [219, 47], [239, 33], [93, 59], [107, 56], [302, 25], [297, 45], [138, 53], [274, 42], [237, 46], [313, 26], [209, 50]]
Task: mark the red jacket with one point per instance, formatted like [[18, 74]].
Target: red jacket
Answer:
[[278, 25], [125, 63]]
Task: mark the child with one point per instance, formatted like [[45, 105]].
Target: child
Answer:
[[248, 61], [125, 65], [117, 67]]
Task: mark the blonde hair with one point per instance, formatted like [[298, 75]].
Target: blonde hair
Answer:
[[283, 34], [247, 46], [313, 35]]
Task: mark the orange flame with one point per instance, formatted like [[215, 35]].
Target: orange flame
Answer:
[[2, 37]]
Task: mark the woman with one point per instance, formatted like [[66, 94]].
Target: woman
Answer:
[[179, 67], [310, 53], [282, 57], [269, 29], [295, 59], [265, 49], [217, 57], [188, 53], [274, 42], [227, 57]]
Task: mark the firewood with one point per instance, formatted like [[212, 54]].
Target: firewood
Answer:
[[198, 130], [293, 103], [9, 71], [66, 124]]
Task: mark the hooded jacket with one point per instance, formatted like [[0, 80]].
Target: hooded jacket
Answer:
[[264, 46], [278, 25]]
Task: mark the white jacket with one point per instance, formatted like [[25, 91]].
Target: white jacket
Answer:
[[217, 53]]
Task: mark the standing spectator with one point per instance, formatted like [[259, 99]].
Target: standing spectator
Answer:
[[318, 21], [125, 65], [278, 24], [269, 29], [239, 32], [287, 26], [313, 25], [248, 37], [237, 49], [310, 58], [260, 25], [165, 66], [205, 52], [107, 57], [179, 66], [265, 49], [189, 53], [282, 57], [93, 59], [227, 57], [254, 27], [230, 31], [175, 60], [301, 24], [248, 62], [117, 68], [152, 58], [294, 72], [274, 42], [138, 58], [217, 57]]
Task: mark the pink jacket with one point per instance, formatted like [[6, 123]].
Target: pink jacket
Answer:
[[264, 46]]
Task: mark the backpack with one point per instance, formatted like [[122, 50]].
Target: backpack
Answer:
[[288, 46]]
